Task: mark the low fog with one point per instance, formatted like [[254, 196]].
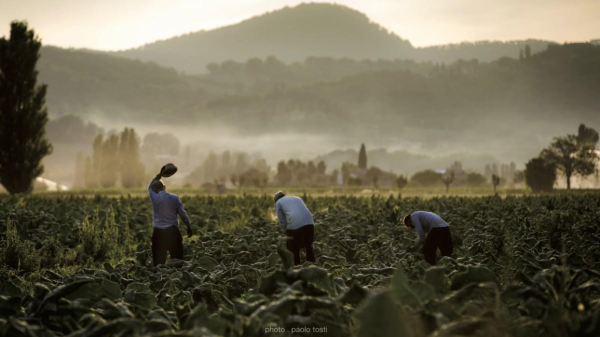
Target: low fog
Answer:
[[72, 136]]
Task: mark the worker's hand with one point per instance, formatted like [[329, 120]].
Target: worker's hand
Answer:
[[189, 231]]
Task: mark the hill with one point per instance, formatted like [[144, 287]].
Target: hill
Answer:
[[291, 34], [109, 87], [511, 106], [484, 51], [310, 30]]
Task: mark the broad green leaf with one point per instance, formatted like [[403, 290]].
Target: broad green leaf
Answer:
[[424, 291], [355, 295], [436, 277], [402, 291], [287, 258], [473, 275], [143, 299], [207, 263], [320, 278], [98, 289], [380, 317]]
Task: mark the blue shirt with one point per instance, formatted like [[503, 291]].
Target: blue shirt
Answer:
[[165, 208], [425, 221], [292, 213]]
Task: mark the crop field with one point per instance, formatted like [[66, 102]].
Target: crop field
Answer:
[[81, 266]]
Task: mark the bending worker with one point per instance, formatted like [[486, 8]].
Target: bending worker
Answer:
[[433, 232], [297, 223]]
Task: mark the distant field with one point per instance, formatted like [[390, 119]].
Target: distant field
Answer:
[[314, 191]]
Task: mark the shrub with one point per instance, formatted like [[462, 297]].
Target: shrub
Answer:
[[540, 175], [52, 253], [97, 238], [475, 179], [18, 255], [426, 178], [401, 182]]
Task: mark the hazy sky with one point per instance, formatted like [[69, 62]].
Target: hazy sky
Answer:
[[119, 24]]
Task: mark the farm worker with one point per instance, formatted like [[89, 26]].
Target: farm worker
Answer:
[[296, 221], [433, 232], [165, 208]]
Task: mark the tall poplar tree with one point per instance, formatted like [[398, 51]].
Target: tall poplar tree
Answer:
[[362, 157], [132, 169], [23, 114], [109, 170]]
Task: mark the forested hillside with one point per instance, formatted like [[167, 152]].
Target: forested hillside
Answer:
[[85, 83], [471, 104], [291, 34], [314, 29]]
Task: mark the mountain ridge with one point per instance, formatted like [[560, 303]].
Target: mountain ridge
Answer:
[[291, 34], [309, 30]]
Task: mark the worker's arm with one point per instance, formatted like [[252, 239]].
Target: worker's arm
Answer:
[[150, 191], [281, 218], [419, 228], [158, 176], [415, 246], [184, 217]]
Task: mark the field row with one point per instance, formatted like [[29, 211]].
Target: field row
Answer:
[[81, 266]]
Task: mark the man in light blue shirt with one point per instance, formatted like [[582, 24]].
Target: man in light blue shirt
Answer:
[[296, 221], [165, 208], [433, 232]]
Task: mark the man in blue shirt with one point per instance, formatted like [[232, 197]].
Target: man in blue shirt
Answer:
[[165, 208], [296, 221], [433, 232]]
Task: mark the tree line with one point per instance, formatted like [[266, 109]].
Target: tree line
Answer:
[[238, 169], [115, 158]]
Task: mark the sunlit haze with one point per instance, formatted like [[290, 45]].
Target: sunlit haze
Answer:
[[113, 25]]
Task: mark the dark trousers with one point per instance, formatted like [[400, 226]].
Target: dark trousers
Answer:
[[437, 238], [166, 240], [302, 237]]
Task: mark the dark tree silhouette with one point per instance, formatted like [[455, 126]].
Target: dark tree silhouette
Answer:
[[426, 178], [23, 114], [284, 174], [574, 155], [109, 170], [373, 176], [448, 179], [475, 179], [540, 175], [495, 182], [321, 167], [362, 157], [132, 169], [401, 182], [587, 136]]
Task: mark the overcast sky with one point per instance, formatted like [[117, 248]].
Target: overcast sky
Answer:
[[120, 24]]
